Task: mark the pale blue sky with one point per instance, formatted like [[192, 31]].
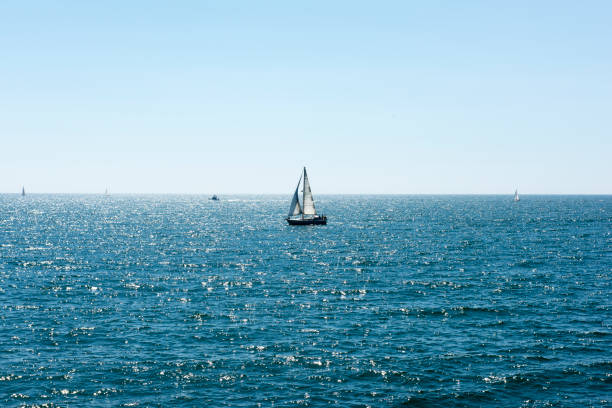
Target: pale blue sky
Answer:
[[374, 97]]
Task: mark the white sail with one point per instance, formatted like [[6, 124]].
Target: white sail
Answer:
[[295, 208], [308, 202], [516, 196]]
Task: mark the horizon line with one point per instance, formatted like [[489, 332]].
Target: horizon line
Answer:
[[277, 194]]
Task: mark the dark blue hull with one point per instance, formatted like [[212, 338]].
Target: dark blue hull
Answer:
[[318, 220]]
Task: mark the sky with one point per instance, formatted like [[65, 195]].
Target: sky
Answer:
[[387, 97]]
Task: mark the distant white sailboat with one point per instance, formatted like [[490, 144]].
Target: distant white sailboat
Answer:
[[516, 196], [106, 192], [307, 208]]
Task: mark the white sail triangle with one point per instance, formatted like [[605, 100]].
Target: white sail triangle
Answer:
[[308, 202], [295, 208]]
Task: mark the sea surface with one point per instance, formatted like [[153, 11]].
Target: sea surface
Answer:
[[400, 301]]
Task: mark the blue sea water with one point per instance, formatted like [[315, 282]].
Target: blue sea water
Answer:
[[417, 301]]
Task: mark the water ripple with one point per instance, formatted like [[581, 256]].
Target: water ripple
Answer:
[[399, 301]]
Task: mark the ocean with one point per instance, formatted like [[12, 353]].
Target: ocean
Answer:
[[400, 301]]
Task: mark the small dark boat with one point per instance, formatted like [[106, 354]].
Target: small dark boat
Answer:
[[22, 191], [304, 214], [214, 198]]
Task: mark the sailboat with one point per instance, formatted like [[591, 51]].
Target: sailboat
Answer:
[[304, 214], [516, 197], [22, 191]]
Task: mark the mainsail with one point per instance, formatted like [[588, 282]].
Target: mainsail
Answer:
[[516, 196], [308, 202], [295, 208]]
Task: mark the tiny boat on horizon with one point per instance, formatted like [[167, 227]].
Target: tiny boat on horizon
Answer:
[[214, 198], [516, 196]]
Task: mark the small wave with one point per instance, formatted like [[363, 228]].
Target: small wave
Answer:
[[10, 377], [529, 263], [310, 331]]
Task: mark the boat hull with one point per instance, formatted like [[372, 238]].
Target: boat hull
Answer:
[[322, 220]]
